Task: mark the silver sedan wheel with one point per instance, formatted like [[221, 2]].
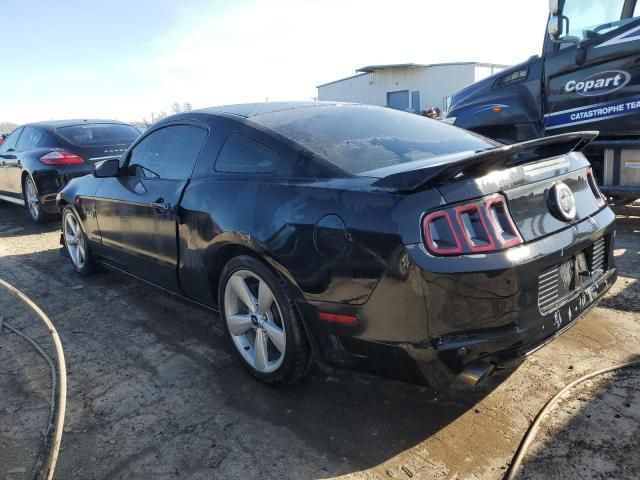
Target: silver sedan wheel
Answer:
[[31, 194], [74, 241], [255, 321]]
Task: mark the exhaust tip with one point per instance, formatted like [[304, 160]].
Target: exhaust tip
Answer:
[[476, 372]]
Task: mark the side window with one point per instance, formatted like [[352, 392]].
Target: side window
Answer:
[[11, 141], [241, 154], [169, 153], [30, 138], [585, 19]]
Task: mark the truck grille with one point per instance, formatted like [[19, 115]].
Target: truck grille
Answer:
[[557, 282]]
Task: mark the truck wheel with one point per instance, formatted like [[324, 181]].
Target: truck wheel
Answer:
[[262, 322]]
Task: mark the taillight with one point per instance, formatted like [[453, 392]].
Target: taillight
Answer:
[[474, 228], [439, 234], [503, 226], [61, 158], [593, 185], [485, 225]]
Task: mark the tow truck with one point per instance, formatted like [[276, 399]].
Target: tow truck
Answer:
[[587, 78]]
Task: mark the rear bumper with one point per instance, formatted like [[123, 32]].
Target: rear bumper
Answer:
[[447, 313], [50, 182]]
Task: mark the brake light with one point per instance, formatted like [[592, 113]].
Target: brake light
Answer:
[[440, 236], [474, 228], [61, 158], [503, 226], [485, 225], [591, 180]]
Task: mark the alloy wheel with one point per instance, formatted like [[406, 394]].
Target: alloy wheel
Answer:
[[31, 194], [255, 321], [74, 240]]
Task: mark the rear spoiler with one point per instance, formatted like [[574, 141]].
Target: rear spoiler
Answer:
[[485, 161]]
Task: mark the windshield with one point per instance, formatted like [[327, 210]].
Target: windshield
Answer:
[[359, 138], [582, 19], [98, 134]]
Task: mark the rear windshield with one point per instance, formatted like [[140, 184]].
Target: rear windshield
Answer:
[[98, 134], [359, 138]]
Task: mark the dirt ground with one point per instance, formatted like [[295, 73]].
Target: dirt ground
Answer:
[[153, 391]]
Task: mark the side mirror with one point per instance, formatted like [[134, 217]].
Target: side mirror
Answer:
[[554, 7], [107, 168]]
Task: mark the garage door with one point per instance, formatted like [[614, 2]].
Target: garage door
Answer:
[[398, 100]]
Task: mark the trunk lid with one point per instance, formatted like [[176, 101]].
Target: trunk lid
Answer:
[[524, 173], [526, 188], [99, 153]]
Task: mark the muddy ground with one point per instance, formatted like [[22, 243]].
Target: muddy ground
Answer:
[[154, 391]]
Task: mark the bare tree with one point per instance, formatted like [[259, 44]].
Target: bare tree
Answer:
[[177, 108], [157, 116], [7, 127]]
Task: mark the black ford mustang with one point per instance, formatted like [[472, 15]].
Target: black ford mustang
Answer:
[[38, 159], [353, 235]]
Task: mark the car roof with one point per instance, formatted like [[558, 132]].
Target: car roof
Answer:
[[68, 123], [248, 110]]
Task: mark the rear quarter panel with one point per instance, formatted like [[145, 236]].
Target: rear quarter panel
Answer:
[[277, 220]]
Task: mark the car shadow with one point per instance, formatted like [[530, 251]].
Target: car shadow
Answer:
[[16, 222], [364, 419]]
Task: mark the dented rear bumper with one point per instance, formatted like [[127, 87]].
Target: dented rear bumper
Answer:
[[447, 313]]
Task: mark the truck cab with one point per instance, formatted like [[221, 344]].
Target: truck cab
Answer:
[[587, 78]]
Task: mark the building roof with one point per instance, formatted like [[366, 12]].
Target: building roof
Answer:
[[372, 68]]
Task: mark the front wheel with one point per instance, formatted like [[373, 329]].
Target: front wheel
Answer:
[[262, 322], [76, 244]]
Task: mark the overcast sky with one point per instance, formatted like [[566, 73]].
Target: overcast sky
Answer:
[[124, 59]]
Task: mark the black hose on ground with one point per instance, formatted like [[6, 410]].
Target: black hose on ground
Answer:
[[514, 469]]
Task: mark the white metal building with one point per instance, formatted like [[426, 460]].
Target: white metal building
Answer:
[[407, 86]]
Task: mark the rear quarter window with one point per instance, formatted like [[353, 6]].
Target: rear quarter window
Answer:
[[98, 134], [361, 138], [242, 154]]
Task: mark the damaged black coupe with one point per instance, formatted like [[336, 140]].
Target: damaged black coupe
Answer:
[[353, 235]]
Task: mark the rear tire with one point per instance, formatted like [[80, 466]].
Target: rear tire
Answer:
[[32, 201], [76, 244], [262, 322]]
